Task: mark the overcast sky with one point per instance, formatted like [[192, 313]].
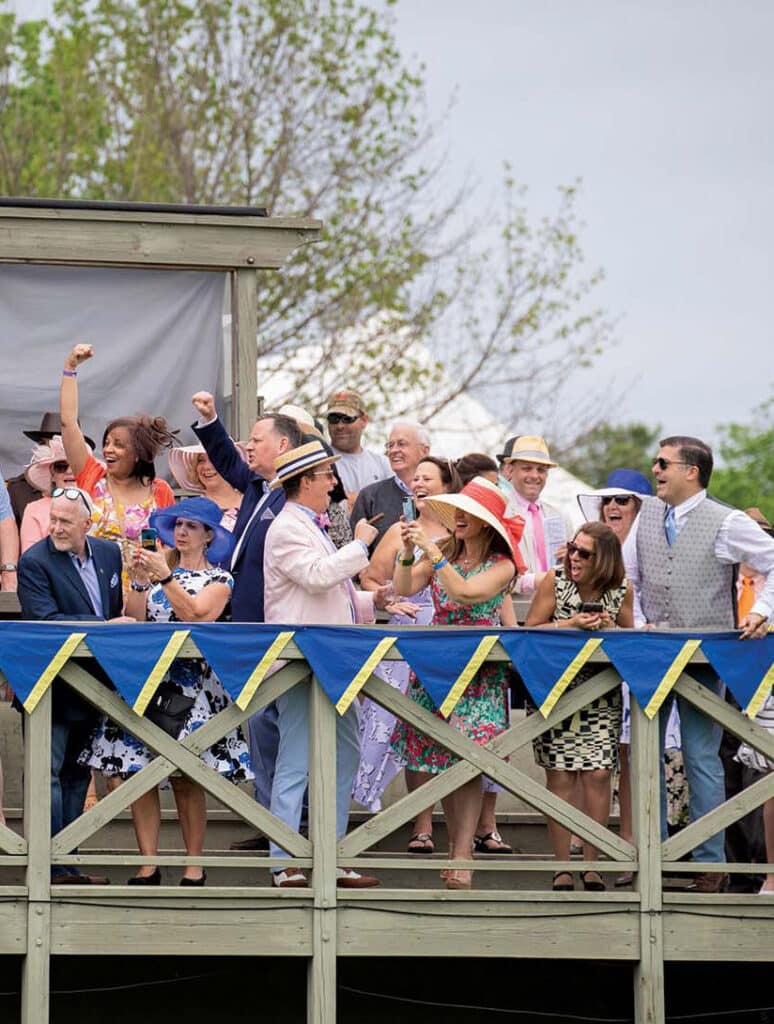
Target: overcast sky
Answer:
[[664, 109]]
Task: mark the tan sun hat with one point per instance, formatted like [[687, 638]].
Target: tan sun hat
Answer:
[[38, 472], [299, 460], [182, 465], [529, 448], [485, 501]]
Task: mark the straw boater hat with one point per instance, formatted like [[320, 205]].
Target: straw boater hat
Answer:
[[182, 465], [529, 448], [38, 472], [620, 481], [299, 460], [486, 502]]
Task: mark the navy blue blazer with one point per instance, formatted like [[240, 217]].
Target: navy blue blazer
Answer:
[[247, 570]]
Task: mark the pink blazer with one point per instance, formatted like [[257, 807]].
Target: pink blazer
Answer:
[[304, 582]]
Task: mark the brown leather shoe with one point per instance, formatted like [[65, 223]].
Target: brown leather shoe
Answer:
[[80, 880], [257, 842], [711, 881], [352, 880]]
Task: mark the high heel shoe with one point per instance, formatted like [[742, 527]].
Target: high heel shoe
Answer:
[[459, 879], [194, 881], [154, 879]]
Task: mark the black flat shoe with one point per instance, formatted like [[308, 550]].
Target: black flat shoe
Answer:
[[154, 879], [558, 886], [194, 881], [593, 883]]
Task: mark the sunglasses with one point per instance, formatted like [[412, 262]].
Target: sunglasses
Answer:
[[325, 472], [584, 553], [72, 494], [340, 417], [60, 467], [666, 463], [620, 499]]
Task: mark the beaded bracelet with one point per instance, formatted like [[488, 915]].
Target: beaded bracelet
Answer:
[[139, 588]]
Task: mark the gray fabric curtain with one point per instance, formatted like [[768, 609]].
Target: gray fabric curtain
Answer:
[[157, 338]]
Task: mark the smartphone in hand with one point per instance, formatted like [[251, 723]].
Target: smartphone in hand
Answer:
[[148, 538], [592, 607], [409, 510]]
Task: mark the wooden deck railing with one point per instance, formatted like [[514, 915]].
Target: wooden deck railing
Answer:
[[645, 926]]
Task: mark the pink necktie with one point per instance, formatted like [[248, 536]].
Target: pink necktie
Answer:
[[539, 537]]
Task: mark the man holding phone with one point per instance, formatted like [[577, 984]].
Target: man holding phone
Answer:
[[689, 547]]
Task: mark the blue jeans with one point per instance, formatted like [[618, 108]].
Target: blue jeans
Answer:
[[70, 732], [292, 767], [700, 741]]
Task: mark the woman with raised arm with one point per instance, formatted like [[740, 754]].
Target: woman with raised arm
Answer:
[[590, 591], [469, 575], [124, 488]]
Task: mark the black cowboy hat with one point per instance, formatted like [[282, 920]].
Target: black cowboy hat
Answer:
[[51, 424]]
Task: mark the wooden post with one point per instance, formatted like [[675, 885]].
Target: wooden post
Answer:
[[321, 976], [645, 753], [244, 351], [37, 829]]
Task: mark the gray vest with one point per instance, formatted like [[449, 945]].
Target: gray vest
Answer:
[[685, 585]]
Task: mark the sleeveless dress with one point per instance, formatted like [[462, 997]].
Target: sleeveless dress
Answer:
[[482, 711], [115, 752], [378, 763], [590, 738]]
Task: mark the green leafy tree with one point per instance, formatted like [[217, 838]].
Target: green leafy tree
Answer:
[[309, 108], [608, 446], [745, 476]]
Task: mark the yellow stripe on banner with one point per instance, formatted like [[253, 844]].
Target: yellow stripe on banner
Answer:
[[360, 679], [160, 669], [673, 673], [479, 656], [568, 675], [52, 670], [760, 694], [257, 676]]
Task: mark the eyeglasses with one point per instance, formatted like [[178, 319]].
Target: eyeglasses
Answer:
[[72, 494], [666, 463], [340, 417], [400, 445], [60, 467], [584, 553], [620, 499], [325, 472]]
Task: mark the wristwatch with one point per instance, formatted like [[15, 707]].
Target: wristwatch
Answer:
[[8, 567]]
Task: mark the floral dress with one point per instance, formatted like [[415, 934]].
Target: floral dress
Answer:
[[589, 739], [115, 752], [482, 710]]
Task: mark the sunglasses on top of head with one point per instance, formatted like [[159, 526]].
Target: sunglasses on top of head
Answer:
[[584, 553], [340, 417], [619, 499], [72, 494]]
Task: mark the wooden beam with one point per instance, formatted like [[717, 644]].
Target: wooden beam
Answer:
[[725, 714], [244, 352], [145, 239]]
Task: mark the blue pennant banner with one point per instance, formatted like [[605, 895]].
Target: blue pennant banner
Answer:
[[136, 657], [446, 660], [548, 661], [241, 654], [650, 662], [745, 666], [337, 654], [32, 653]]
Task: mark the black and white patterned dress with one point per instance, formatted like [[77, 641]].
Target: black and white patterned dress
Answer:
[[115, 752], [589, 739]]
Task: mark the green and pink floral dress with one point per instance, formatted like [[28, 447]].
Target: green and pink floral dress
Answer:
[[482, 710]]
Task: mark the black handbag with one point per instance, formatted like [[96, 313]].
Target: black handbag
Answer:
[[169, 709]]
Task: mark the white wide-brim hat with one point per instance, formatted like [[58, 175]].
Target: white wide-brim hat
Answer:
[[182, 465]]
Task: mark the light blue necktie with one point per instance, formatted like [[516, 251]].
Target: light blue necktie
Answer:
[[670, 526]]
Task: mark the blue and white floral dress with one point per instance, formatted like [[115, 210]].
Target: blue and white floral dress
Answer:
[[113, 751]]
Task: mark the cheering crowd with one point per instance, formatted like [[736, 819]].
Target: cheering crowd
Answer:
[[291, 527]]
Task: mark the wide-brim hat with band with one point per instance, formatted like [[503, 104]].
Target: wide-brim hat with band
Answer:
[[620, 481], [200, 510], [51, 424], [529, 448], [483, 500], [182, 465], [38, 472], [299, 460]]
